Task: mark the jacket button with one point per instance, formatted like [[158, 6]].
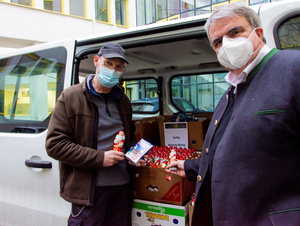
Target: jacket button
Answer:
[[227, 97], [206, 150], [216, 122], [199, 178]]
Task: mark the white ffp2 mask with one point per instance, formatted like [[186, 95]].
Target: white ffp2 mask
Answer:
[[236, 52]]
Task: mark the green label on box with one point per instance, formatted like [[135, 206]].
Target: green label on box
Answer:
[[159, 209]]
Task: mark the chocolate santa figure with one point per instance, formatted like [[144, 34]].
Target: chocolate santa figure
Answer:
[[119, 141]]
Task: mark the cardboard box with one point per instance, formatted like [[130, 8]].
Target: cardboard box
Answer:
[[154, 184], [148, 129], [196, 132], [146, 213]]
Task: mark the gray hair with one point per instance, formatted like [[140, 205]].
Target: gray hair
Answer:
[[230, 10]]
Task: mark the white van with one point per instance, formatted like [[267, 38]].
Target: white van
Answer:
[[171, 65]]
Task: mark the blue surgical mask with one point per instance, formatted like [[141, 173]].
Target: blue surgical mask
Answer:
[[108, 77]]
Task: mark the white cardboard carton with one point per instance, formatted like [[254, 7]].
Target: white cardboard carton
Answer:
[[146, 213]]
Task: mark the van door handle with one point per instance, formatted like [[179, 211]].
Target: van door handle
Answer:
[[41, 164]]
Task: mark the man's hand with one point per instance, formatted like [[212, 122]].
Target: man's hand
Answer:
[[179, 164], [112, 157], [140, 163]]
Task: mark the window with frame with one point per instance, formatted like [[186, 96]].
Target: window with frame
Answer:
[[141, 12], [173, 7], [23, 2], [255, 2], [203, 92], [143, 95], [145, 12], [102, 10], [161, 9], [151, 11], [203, 10], [203, 7], [289, 33], [201, 3], [29, 86], [218, 1], [187, 5], [52, 5], [121, 12], [78, 7]]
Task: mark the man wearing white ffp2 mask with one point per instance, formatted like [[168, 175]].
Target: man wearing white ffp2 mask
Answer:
[[237, 44], [236, 52], [252, 143]]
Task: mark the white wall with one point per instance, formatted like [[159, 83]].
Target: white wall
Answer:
[[23, 26]]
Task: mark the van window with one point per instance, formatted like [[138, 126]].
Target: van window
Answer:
[[198, 93], [29, 86], [289, 34], [143, 95]]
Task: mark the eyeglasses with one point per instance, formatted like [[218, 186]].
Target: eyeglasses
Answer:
[[111, 66], [232, 33]]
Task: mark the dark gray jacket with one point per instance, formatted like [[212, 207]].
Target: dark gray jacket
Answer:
[[256, 167]]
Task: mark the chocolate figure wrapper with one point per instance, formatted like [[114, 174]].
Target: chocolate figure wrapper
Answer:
[[119, 141], [172, 158]]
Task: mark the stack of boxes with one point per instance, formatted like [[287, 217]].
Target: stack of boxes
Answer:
[[162, 198]]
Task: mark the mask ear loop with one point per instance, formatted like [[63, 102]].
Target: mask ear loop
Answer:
[[255, 50], [251, 33], [248, 40]]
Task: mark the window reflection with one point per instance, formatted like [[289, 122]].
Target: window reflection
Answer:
[[77, 8], [30, 84], [289, 34], [203, 91], [101, 8], [121, 12]]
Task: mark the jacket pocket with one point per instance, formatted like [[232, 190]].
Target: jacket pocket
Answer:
[[270, 111], [64, 178], [290, 217]]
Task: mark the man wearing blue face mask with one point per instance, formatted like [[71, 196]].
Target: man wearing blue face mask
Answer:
[[86, 119], [248, 173]]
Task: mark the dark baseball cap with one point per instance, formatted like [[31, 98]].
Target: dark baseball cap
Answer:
[[112, 50]]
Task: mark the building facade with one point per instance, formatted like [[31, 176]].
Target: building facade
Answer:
[[153, 11], [29, 22]]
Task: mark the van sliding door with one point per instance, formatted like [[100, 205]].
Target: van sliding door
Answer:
[[30, 82]]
